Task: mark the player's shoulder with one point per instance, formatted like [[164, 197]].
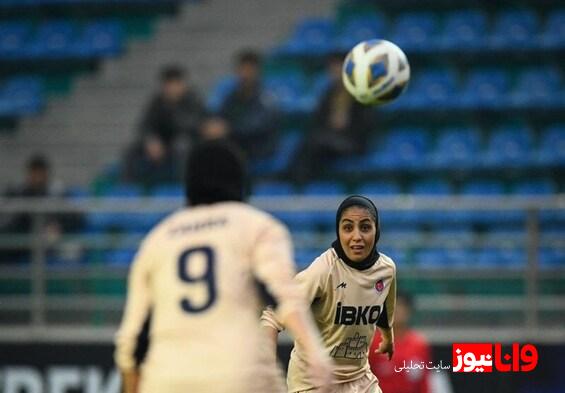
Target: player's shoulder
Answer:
[[387, 261], [325, 262]]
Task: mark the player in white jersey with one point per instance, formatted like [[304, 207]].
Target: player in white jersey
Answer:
[[198, 273], [352, 289]]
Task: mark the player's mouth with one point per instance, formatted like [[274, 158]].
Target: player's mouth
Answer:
[[357, 249]]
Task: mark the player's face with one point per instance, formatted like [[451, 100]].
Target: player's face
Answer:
[[357, 233]]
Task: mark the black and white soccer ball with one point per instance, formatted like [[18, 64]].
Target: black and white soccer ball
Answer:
[[375, 72]]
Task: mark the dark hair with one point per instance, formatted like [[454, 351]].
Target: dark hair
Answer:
[[172, 73], [248, 56], [37, 162], [215, 172]]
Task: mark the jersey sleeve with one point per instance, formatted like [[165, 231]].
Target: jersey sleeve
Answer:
[[310, 284], [273, 266], [137, 309]]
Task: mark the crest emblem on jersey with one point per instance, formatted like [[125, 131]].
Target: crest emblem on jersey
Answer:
[[379, 286]]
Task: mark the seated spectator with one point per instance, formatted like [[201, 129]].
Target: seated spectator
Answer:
[[251, 119], [175, 111], [340, 128], [150, 163], [214, 127], [38, 184]]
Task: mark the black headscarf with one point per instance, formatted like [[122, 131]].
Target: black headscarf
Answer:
[[215, 172], [361, 201]]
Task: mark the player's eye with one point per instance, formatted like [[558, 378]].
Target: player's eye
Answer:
[[348, 228], [366, 228]]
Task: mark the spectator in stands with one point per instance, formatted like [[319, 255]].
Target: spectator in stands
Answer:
[[340, 128], [251, 118], [175, 111], [151, 162], [38, 184], [410, 347]]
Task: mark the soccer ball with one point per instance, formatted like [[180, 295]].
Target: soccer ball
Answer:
[[375, 72]]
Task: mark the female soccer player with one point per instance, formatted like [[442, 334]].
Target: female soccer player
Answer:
[[352, 290]]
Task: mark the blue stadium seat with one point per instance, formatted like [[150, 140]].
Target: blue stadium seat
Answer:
[[324, 188], [21, 96], [415, 31], [221, 90], [485, 88], [552, 257], [442, 258], [464, 30], [509, 147], [483, 187], [101, 39], [402, 148], [552, 146], [538, 88], [430, 90], [534, 187], [379, 188], [287, 90], [119, 257], [169, 191], [431, 187], [456, 148], [515, 29], [312, 36], [553, 35], [13, 37], [360, 28], [281, 159], [273, 188], [53, 39]]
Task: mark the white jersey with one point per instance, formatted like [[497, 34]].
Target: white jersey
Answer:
[[346, 304], [197, 272]]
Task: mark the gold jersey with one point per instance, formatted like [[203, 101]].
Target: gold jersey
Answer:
[[197, 272], [346, 304]]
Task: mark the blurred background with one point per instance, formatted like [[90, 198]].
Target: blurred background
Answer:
[[100, 101]]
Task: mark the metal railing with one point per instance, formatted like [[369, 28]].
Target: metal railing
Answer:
[[101, 310]]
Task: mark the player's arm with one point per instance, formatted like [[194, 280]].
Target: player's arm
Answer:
[[274, 267], [135, 314], [386, 322]]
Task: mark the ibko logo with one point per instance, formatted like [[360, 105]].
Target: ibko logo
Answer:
[[479, 358]]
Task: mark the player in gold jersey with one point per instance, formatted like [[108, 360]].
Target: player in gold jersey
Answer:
[[200, 272], [352, 289]]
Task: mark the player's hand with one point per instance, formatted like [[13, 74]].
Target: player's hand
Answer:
[[386, 347], [321, 373], [130, 381]]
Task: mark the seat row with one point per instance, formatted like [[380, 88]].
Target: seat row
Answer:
[[21, 96], [428, 32], [60, 39]]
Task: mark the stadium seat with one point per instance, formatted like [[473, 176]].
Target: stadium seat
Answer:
[[509, 147], [428, 188], [221, 90], [552, 146], [441, 258], [464, 30], [431, 90], [402, 148], [534, 187], [359, 28], [483, 187], [485, 88], [324, 188], [21, 96], [312, 36], [553, 36], [552, 257], [456, 148], [119, 257], [287, 91], [379, 188], [168, 191], [538, 88], [278, 163], [100, 39], [515, 29], [272, 188], [414, 31], [53, 40], [13, 37]]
